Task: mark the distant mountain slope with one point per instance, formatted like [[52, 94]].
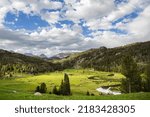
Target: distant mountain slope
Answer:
[[61, 56], [106, 59], [29, 54], [109, 59], [25, 63]]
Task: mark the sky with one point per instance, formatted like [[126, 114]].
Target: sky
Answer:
[[56, 26]]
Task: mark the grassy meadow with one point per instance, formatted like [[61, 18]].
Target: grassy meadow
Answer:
[[81, 81]]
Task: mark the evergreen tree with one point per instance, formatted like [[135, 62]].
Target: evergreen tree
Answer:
[[66, 85], [43, 88], [55, 91], [132, 82], [4, 70], [146, 82], [1, 74], [61, 88], [87, 93], [64, 88], [37, 89]]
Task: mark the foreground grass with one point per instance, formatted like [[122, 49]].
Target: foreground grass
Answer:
[[25, 96], [23, 88]]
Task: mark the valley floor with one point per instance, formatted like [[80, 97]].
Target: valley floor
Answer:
[[81, 81]]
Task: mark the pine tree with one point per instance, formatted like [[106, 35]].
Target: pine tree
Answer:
[[61, 88], [66, 85], [55, 91], [64, 88], [1, 74], [147, 79], [132, 82], [43, 88], [87, 93], [37, 89]]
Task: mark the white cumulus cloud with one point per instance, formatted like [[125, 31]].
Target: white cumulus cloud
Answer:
[[85, 15]]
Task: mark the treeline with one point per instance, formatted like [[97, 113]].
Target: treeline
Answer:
[[12, 63], [9, 70]]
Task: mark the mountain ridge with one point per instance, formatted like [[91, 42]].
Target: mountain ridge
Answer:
[[109, 59], [105, 59], [24, 63]]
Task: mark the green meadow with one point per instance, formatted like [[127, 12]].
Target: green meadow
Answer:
[[81, 81]]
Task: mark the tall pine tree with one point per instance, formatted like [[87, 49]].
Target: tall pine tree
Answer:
[[64, 88], [43, 88], [61, 88], [66, 85], [132, 82], [146, 83], [55, 91]]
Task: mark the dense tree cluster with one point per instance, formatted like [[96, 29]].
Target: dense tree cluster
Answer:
[[146, 79], [10, 69], [11, 63], [132, 82]]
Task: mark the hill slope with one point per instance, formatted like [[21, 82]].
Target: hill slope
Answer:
[[105, 59], [10, 61], [109, 59]]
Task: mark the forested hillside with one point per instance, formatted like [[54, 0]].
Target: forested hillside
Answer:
[[105, 59], [109, 59], [19, 63]]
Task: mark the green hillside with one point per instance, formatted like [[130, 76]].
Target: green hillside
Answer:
[[103, 59], [11, 62], [108, 59]]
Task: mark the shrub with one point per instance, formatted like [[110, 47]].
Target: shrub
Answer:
[[92, 94], [87, 93]]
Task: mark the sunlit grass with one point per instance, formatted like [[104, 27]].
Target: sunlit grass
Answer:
[[79, 80]]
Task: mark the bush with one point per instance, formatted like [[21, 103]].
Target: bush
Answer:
[[92, 94], [87, 93]]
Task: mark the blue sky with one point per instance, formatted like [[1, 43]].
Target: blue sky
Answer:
[[24, 21], [30, 22], [54, 26]]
